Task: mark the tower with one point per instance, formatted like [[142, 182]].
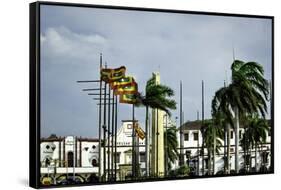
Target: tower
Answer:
[[157, 149]]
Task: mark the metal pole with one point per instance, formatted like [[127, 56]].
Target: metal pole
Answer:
[[198, 149], [203, 164], [74, 157], [100, 120], [181, 127], [112, 136], [115, 141], [166, 147], [133, 143], [157, 142], [108, 134], [104, 133]]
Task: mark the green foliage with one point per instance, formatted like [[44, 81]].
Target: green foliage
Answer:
[[158, 96], [248, 91], [180, 172], [172, 144], [255, 132], [211, 132]]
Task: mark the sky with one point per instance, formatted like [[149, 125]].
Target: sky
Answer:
[[182, 47]]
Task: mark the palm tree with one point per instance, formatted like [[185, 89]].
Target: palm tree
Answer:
[[247, 93], [255, 134], [213, 135], [157, 96], [171, 142]]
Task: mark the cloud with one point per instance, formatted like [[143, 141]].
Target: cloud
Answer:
[[61, 45], [183, 47]]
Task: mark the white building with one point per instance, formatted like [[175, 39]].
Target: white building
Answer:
[[62, 157], [193, 146], [59, 155]]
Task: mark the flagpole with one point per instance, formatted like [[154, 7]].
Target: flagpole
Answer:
[[181, 127], [115, 137], [198, 150], [104, 131], [112, 135], [203, 164], [133, 142], [100, 120], [108, 133]]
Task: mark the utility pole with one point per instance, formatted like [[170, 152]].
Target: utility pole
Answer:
[[203, 160]]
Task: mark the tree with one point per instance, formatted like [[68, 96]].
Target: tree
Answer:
[[255, 134], [171, 142], [213, 135], [247, 93], [157, 96]]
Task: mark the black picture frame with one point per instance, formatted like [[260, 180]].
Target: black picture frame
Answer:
[[35, 93]]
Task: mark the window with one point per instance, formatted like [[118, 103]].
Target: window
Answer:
[[186, 136], [231, 134], [264, 156], [94, 146], [269, 133], [187, 154], [240, 134], [142, 156], [195, 136], [70, 159], [94, 162], [206, 163], [117, 157]]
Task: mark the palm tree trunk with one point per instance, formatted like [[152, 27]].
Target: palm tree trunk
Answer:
[[256, 157], [236, 140], [228, 150], [224, 149], [209, 162], [146, 142], [214, 153]]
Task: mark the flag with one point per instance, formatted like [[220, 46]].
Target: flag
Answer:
[[124, 81], [129, 89], [128, 98], [111, 75], [106, 74], [118, 73], [139, 131]]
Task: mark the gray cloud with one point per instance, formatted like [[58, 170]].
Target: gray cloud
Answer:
[[183, 47]]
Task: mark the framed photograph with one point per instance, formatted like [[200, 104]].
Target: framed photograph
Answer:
[[126, 94]]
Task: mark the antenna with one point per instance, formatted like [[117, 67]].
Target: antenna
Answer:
[[233, 52]]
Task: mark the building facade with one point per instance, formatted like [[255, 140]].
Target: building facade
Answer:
[[193, 152]]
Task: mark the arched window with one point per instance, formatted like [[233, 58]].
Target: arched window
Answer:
[[47, 162], [70, 159], [94, 162]]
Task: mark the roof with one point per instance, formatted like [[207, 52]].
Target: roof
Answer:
[[197, 124], [62, 138]]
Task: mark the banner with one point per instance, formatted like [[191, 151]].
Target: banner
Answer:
[[132, 88], [105, 75], [111, 75], [128, 98], [118, 73], [124, 81], [140, 133]]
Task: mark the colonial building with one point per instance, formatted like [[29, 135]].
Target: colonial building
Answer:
[[193, 152], [63, 157]]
